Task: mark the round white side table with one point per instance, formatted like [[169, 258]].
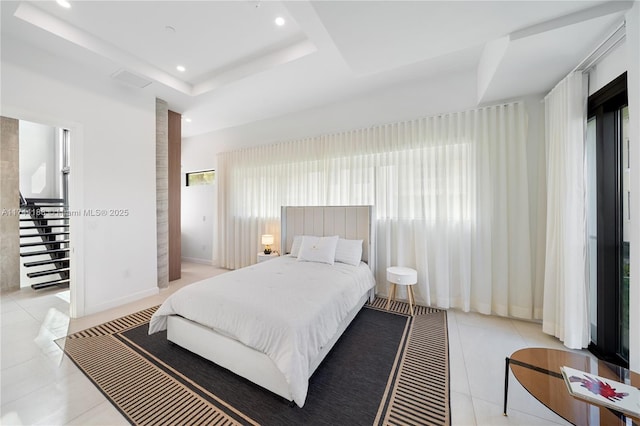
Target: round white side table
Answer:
[[398, 275]]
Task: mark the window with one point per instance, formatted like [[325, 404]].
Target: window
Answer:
[[205, 177]]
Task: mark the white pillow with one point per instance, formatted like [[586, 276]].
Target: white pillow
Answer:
[[349, 251], [295, 245], [318, 249]]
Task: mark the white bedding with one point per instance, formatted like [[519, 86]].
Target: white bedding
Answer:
[[284, 308]]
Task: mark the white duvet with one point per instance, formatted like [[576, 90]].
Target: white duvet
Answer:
[[284, 308]]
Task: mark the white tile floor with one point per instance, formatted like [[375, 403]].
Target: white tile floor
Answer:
[[40, 386]]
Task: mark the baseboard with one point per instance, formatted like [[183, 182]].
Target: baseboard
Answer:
[[121, 301]]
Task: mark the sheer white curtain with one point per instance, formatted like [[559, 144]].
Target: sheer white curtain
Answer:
[[450, 195], [565, 312]]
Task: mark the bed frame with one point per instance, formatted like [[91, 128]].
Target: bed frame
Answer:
[[350, 222]]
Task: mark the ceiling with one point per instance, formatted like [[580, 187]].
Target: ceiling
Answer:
[[241, 67]]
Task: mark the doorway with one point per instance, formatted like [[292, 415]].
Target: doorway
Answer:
[[44, 206]]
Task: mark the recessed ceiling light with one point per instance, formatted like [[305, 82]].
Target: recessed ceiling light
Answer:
[[64, 3], [181, 68], [280, 21], [187, 119]]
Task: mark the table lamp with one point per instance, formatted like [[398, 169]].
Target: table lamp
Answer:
[[267, 240]]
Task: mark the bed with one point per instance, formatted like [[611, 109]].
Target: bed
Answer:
[[274, 322]]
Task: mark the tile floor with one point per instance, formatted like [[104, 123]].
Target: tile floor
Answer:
[[40, 386]]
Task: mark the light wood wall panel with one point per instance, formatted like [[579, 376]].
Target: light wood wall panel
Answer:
[[162, 192]]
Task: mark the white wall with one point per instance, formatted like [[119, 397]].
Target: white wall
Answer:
[[39, 168], [112, 168], [409, 100]]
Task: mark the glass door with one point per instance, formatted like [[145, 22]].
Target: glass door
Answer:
[[608, 218]]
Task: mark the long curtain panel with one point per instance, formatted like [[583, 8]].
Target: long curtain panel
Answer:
[[450, 195], [565, 309]]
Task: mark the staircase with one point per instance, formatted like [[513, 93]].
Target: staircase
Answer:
[[44, 241]]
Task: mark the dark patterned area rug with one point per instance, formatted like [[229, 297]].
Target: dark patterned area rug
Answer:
[[387, 368]]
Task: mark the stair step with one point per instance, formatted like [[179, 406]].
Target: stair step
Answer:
[[42, 243], [39, 219], [49, 283], [41, 212], [37, 253], [44, 234], [45, 262], [62, 225], [47, 272], [33, 200]]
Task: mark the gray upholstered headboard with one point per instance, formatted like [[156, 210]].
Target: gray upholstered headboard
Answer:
[[349, 222]]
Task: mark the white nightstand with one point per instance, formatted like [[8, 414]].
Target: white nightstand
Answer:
[[397, 275], [264, 257]]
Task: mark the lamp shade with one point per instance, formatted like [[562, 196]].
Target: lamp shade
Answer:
[[267, 239]]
